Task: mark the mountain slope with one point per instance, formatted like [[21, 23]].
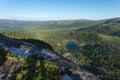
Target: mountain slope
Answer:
[[109, 27], [99, 53], [43, 24], [24, 49], [4, 23], [98, 49]]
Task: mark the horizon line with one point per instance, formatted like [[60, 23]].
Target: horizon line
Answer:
[[33, 19]]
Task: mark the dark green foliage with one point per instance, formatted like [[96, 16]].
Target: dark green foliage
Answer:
[[40, 44], [102, 59], [3, 54], [109, 29], [18, 34], [36, 68], [84, 36], [98, 52]]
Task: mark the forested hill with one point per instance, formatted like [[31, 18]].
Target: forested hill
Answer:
[[92, 44], [20, 48], [4, 23], [109, 27], [11, 24]]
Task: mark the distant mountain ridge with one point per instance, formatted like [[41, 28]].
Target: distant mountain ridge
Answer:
[[106, 26], [4, 23], [109, 27], [98, 45]]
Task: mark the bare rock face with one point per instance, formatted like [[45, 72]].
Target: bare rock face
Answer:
[[10, 67], [23, 49]]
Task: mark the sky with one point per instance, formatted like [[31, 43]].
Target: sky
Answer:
[[59, 9]]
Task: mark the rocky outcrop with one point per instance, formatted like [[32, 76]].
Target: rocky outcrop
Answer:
[[9, 69], [23, 49]]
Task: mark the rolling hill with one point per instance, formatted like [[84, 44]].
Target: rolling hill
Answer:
[[98, 47]]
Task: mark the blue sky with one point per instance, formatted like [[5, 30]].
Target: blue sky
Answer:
[[59, 9]]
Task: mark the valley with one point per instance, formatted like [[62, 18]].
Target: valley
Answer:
[[95, 58]]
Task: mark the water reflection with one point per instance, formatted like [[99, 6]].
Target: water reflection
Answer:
[[71, 45]]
